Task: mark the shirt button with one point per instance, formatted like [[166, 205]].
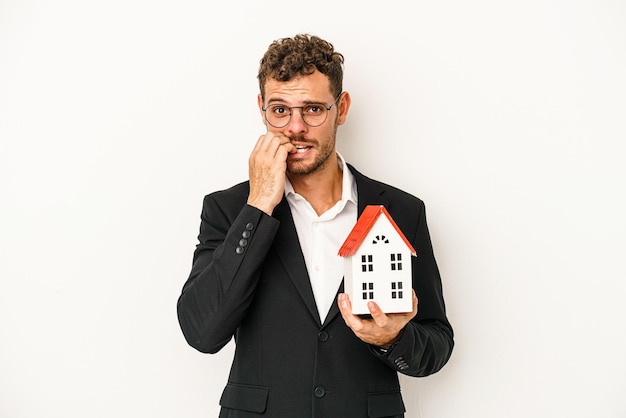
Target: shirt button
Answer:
[[319, 392], [322, 336]]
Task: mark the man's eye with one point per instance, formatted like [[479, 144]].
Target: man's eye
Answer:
[[313, 109], [280, 110]]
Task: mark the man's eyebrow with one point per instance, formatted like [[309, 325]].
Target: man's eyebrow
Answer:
[[304, 103], [275, 100]]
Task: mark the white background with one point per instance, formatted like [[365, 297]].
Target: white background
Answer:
[[506, 117]]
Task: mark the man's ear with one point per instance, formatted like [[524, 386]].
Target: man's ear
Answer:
[[343, 105], [260, 103]]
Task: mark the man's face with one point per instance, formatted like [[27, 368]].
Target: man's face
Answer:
[[314, 144]]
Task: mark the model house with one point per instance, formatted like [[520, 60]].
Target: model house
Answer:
[[377, 263]]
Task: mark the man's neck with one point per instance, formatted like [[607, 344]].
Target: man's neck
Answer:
[[323, 188]]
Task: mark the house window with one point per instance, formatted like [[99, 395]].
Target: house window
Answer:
[[396, 290], [396, 262], [380, 238], [368, 291], [367, 263]]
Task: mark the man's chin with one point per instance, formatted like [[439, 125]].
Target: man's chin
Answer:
[[304, 166], [300, 167], [298, 170]]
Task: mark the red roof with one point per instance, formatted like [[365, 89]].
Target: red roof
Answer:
[[363, 225]]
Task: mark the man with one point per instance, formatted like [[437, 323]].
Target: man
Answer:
[[266, 269]]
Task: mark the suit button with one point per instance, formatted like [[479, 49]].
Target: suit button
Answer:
[[243, 242], [246, 234], [322, 336], [400, 363], [249, 226], [239, 250], [319, 392]]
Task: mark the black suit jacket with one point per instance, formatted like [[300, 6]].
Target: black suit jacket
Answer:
[[249, 280]]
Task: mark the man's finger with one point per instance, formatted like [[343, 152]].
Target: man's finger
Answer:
[[345, 307], [377, 314]]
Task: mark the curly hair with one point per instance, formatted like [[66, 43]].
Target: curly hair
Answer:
[[287, 58]]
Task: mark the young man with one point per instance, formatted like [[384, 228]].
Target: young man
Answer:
[[266, 269]]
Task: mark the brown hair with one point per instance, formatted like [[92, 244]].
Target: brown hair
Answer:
[[301, 55]]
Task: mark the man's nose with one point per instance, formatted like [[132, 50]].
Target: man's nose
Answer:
[[296, 122]]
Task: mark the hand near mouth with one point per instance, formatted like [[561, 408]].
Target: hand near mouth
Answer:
[[266, 166]]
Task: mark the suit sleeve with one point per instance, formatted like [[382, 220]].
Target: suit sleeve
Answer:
[[226, 269], [427, 341]]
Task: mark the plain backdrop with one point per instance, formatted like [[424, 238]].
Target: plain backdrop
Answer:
[[506, 117]]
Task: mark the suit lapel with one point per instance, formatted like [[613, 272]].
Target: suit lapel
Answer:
[[369, 192], [288, 248]]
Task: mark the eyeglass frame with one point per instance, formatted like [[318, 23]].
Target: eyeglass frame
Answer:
[[264, 109]]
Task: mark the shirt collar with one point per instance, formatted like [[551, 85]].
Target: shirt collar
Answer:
[[348, 189], [348, 184]]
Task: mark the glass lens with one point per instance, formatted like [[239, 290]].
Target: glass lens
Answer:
[[314, 115], [278, 115]]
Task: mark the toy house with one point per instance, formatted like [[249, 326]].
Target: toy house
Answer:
[[377, 263]]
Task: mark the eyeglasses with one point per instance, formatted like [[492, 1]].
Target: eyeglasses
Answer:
[[313, 114]]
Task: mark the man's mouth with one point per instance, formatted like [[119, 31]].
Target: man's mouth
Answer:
[[301, 149]]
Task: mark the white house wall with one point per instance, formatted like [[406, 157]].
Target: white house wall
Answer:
[[378, 282]]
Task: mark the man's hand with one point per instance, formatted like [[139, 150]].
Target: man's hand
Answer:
[[383, 329], [267, 165]]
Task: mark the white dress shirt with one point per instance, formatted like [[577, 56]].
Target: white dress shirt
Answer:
[[321, 237]]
